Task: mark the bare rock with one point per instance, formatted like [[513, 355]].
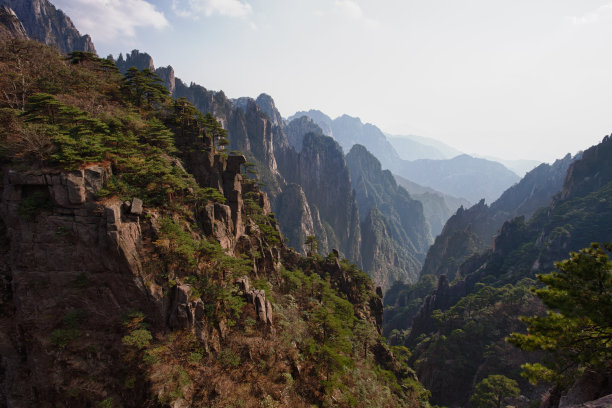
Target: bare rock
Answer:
[[604, 402], [136, 207], [590, 386], [181, 316], [10, 26], [257, 298]]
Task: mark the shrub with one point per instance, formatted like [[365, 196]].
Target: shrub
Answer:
[[228, 358], [139, 338]]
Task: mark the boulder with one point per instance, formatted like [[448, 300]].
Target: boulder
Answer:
[[136, 207]]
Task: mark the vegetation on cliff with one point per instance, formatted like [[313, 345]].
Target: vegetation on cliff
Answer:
[[578, 215], [207, 306], [577, 331]]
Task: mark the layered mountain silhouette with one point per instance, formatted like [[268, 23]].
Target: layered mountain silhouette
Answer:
[[485, 259], [423, 161]]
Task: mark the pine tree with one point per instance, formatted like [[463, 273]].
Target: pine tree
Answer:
[[493, 390], [577, 332]]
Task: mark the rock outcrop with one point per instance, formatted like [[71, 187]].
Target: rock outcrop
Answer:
[[10, 26], [473, 230], [298, 128], [67, 256], [395, 234], [257, 298], [140, 60], [43, 22]]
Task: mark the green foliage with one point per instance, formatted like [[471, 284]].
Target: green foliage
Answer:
[[106, 403], [228, 358], [179, 248], [493, 390], [312, 243], [577, 333], [139, 338], [78, 137], [195, 357], [468, 333], [143, 88]]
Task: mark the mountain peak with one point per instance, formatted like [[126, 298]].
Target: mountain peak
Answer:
[[266, 104], [43, 22]]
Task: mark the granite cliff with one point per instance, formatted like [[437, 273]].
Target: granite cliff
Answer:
[[142, 268], [10, 26], [304, 174], [43, 22], [489, 281]]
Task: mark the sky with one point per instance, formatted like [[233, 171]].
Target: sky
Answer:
[[515, 79]]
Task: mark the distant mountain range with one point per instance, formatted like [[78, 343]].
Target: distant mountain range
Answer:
[[485, 259], [412, 147], [437, 206], [422, 160]]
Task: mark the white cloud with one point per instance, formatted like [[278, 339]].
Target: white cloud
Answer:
[[109, 20], [593, 16], [350, 9], [196, 8]]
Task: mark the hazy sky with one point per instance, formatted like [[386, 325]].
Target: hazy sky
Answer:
[[512, 78]]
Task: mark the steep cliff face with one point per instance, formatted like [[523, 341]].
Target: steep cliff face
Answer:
[[384, 258], [472, 230], [45, 23], [318, 117], [10, 26], [135, 59], [464, 235], [395, 235], [488, 283], [323, 174], [437, 207], [592, 172], [349, 131], [297, 128], [308, 181], [298, 219], [73, 266]]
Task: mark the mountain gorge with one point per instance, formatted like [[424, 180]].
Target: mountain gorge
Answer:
[[164, 245], [460, 176], [396, 234], [142, 267], [491, 283], [308, 181]]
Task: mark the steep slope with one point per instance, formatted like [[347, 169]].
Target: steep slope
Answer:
[[43, 22], [462, 176], [322, 172], [348, 131], [471, 231], [398, 221], [10, 26], [318, 117], [437, 207], [520, 167], [490, 283], [297, 128], [142, 269]]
